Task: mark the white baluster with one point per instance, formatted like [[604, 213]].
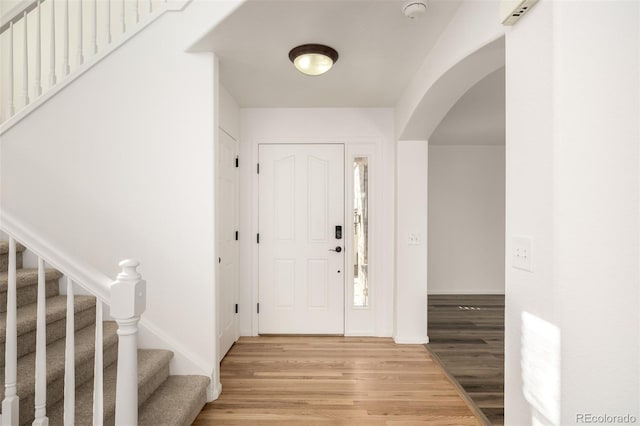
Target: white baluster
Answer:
[[149, 6], [80, 58], [25, 71], [136, 10], [94, 28], [98, 389], [69, 360], [10, 404], [41, 350], [123, 16], [10, 105], [37, 87], [65, 46], [108, 21], [52, 46], [128, 300]]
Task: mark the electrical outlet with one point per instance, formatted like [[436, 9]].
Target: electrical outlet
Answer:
[[522, 254], [413, 240]]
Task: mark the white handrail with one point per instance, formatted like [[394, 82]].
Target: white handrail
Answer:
[[15, 13], [127, 301], [84, 275]]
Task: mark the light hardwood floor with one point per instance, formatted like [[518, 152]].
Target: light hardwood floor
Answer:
[[333, 380]]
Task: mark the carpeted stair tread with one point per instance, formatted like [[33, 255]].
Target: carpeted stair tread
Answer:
[[4, 247], [56, 310], [84, 352], [85, 315], [177, 402], [27, 276], [151, 363], [4, 255], [27, 286]]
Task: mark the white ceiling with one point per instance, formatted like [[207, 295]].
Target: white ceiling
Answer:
[[478, 117], [380, 50]]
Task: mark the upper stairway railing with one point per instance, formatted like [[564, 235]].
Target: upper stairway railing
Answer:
[[50, 42], [126, 299]]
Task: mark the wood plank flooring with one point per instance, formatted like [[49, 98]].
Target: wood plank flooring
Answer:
[[333, 380], [466, 332]]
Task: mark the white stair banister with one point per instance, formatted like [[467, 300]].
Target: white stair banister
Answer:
[[10, 404], [80, 55], [108, 22], [41, 350], [94, 27], [98, 387], [128, 302], [10, 101], [65, 42], [123, 16], [37, 87], [69, 360], [25, 63], [52, 46]]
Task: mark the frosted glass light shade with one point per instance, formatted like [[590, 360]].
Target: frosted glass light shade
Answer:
[[313, 59]]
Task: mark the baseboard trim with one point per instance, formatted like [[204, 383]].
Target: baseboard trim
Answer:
[[467, 292], [213, 391], [184, 362], [411, 340]]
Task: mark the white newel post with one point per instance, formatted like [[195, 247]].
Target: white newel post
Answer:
[[10, 405], [128, 302]]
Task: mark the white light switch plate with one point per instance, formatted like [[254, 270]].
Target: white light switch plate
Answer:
[[521, 253], [413, 239]]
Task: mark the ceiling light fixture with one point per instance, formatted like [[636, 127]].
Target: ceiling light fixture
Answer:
[[414, 9], [313, 59]]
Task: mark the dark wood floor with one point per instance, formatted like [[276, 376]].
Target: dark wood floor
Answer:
[[466, 332]]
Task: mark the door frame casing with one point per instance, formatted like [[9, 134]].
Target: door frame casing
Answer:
[[358, 321]]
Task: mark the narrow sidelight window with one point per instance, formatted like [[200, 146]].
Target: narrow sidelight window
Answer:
[[361, 232]]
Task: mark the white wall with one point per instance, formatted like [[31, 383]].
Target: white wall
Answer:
[[120, 164], [572, 185], [468, 50], [353, 127], [466, 219], [229, 113], [410, 320]]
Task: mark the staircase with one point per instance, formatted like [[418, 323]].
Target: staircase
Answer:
[[162, 399]]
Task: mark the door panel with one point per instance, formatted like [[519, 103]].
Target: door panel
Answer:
[[227, 246], [301, 200]]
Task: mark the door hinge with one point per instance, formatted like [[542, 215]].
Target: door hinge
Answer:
[[236, 308], [236, 235], [258, 238], [258, 308], [258, 168], [237, 162]]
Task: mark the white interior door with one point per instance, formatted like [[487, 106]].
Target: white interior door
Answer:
[[301, 270], [227, 245]]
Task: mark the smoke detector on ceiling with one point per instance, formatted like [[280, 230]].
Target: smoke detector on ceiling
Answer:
[[414, 9]]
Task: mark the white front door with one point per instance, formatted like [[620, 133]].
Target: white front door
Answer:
[[227, 244], [301, 258]]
